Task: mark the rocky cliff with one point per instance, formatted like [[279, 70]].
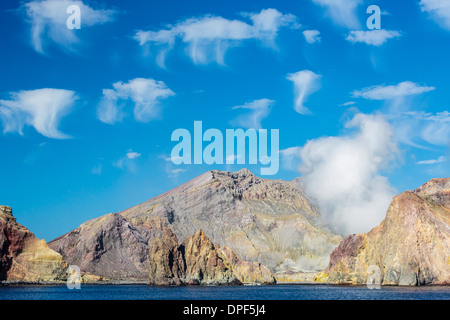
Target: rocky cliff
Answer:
[[166, 264], [270, 222], [23, 257], [411, 246], [199, 262], [109, 247]]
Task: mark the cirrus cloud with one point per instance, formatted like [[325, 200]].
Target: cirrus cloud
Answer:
[[312, 36], [419, 128], [306, 82], [209, 37], [439, 11], [433, 161], [373, 37], [42, 109], [384, 92], [258, 110], [342, 12], [48, 20], [145, 94]]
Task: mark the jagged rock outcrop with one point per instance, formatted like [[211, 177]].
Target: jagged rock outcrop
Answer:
[[248, 272], [411, 246], [206, 264], [25, 258], [271, 222], [199, 262], [166, 263]]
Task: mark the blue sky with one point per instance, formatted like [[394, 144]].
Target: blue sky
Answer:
[[87, 114]]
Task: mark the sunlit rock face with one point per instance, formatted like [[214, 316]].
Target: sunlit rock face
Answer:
[[411, 246], [200, 262], [271, 222], [25, 258]]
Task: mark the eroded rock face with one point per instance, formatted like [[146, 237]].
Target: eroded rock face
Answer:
[[205, 264], [270, 222], [199, 262], [166, 263], [23, 257], [109, 247], [248, 272], [411, 246]]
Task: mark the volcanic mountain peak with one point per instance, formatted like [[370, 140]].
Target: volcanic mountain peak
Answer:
[[436, 190], [267, 221]]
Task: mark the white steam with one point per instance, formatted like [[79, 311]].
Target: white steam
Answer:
[[342, 174]]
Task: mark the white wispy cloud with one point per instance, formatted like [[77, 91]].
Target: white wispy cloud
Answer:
[[346, 104], [341, 12], [312, 36], [145, 94], [48, 20], [290, 158], [433, 161], [414, 128], [208, 38], [176, 172], [387, 92], [306, 82], [128, 161], [42, 108], [257, 111], [417, 128], [343, 174], [97, 170], [374, 37], [133, 155], [439, 10]]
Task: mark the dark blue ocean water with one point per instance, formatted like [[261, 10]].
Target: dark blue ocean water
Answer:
[[278, 292]]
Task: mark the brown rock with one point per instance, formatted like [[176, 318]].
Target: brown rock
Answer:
[[411, 246], [23, 257], [248, 272], [166, 263], [109, 247], [199, 262], [205, 264]]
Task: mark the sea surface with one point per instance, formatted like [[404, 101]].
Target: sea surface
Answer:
[[277, 292]]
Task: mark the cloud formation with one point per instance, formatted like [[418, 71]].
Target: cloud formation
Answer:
[[312, 36], [383, 92], [290, 158], [374, 37], [127, 162], [42, 109], [417, 128], [133, 155], [145, 94], [306, 82], [433, 161], [414, 128], [439, 10], [341, 12], [48, 20], [257, 111], [343, 175], [208, 38]]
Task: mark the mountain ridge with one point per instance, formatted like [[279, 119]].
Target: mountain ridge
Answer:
[[267, 221], [411, 246]]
